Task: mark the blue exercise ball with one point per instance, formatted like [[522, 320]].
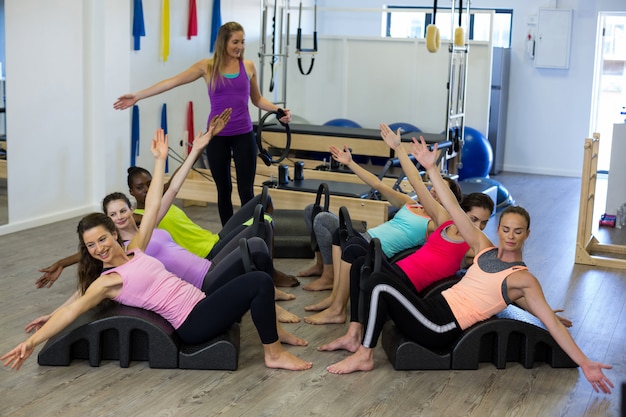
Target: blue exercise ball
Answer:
[[503, 199], [476, 156], [405, 127], [342, 123]]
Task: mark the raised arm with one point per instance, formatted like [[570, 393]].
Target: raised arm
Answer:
[[474, 237], [434, 209], [199, 144], [197, 70], [395, 198], [51, 273], [155, 191], [524, 284]]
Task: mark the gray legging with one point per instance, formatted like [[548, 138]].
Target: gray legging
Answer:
[[325, 224]]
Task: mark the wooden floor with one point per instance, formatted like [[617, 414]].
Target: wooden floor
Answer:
[[592, 297]]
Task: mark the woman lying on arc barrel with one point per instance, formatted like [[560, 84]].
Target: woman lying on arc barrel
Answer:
[[109, 271], [497, 277]]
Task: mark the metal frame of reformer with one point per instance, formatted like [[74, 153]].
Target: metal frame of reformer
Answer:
[[589, 251]]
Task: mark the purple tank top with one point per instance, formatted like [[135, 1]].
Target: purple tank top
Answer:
[[176, 259], [234, 93]]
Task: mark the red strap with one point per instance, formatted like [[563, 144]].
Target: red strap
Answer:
[[192, 28], [190, 133]]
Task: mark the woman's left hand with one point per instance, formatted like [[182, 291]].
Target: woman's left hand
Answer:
[[159, 147], [595, 376]]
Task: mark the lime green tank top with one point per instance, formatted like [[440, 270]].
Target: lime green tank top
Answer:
[[185, 232]]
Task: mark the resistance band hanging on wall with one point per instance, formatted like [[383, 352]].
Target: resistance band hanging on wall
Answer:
[[139, 28], [165, 30], [134, 136], [299, 49], [192, 23], [164, 127], [216, 22]]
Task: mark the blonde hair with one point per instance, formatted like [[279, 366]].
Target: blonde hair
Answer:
[[223, 36]]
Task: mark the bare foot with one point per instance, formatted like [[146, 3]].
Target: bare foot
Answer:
[[283, 280], [285, 360], [277, 357], [285, 316], [322, 283], [280, 295], [289, 338], [345, 342], [326, 317], [311, 271], [322, 305], [361, 360]]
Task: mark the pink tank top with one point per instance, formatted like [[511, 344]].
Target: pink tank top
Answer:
[[479, 294], [439, 258], [147, 284]]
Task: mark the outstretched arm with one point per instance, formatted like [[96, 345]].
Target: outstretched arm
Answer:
[[199, 144], [395, 198], [192, 73], [474, 237], [59, 321], [159, 149], [530, 289], [434, 209], [40, 321], [52, 272]]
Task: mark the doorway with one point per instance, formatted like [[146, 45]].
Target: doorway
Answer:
[[609, 86]]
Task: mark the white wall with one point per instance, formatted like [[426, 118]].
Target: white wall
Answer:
[[67, 61]]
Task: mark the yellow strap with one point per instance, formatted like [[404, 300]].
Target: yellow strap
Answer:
[[165, 33]]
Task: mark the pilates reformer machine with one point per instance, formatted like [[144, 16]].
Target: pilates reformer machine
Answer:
[[347, 189]]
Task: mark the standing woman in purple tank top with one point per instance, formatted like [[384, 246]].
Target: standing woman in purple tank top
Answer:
[[231, 82]]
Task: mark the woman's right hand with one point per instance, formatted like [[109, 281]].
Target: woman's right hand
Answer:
[[391, 138], [159, 145], [423, 154], [125, 101], [37, 323], [343, 156], [51, 274]]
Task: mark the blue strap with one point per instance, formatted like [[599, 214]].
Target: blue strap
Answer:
[[138, 26], [134, 136], [216, 22], [164, 127]]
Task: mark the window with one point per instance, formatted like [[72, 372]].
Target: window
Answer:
[[411, 22]]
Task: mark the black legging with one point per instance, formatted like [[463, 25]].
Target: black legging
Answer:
[[243, 150], [241, 216], [228, 243], [230, 263], [427, 321], [230, 293], [230, 299], [356, 313]]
